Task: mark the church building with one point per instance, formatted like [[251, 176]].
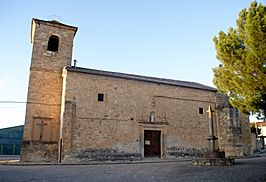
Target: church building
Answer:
[[83, 114]]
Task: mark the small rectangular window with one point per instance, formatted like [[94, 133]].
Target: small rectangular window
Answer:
[[101, 97], [200, 110]]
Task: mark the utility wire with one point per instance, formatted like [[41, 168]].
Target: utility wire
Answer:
[[12, 102], [12, 107]]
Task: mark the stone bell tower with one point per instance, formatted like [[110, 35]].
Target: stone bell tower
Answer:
[[51, 52]]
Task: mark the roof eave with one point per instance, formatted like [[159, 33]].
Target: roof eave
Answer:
[[141, 78]]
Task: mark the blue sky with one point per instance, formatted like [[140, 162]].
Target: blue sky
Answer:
[[166, 38]]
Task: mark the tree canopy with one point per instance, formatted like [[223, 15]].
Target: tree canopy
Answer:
[[241, 74]]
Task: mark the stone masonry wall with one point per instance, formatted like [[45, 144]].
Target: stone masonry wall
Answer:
[[234, 135], [117, 124], [42, 122], [38, 151], [246, 136]]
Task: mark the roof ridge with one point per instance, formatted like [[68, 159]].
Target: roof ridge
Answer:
[[181, 83]]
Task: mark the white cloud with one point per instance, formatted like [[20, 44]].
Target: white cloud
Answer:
[[12, 116], [2, 82]]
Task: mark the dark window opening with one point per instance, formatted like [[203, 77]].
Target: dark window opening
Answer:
[[53, 43], [101, 97], [200, 110]]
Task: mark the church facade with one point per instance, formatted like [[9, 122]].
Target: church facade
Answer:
[[81, 114]]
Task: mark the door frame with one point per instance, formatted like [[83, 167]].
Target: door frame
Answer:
[[154, 127]]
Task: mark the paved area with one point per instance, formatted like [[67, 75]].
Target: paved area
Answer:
[[9, 158], [252, 169]]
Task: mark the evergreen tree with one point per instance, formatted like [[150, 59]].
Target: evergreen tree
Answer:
[[242, 53]]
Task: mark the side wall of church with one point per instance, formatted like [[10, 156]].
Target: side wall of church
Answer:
[[116, 125]]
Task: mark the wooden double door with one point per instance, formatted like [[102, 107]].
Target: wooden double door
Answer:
[[152, 143]]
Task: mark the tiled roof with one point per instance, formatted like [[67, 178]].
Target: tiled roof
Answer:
[[142, 78]]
